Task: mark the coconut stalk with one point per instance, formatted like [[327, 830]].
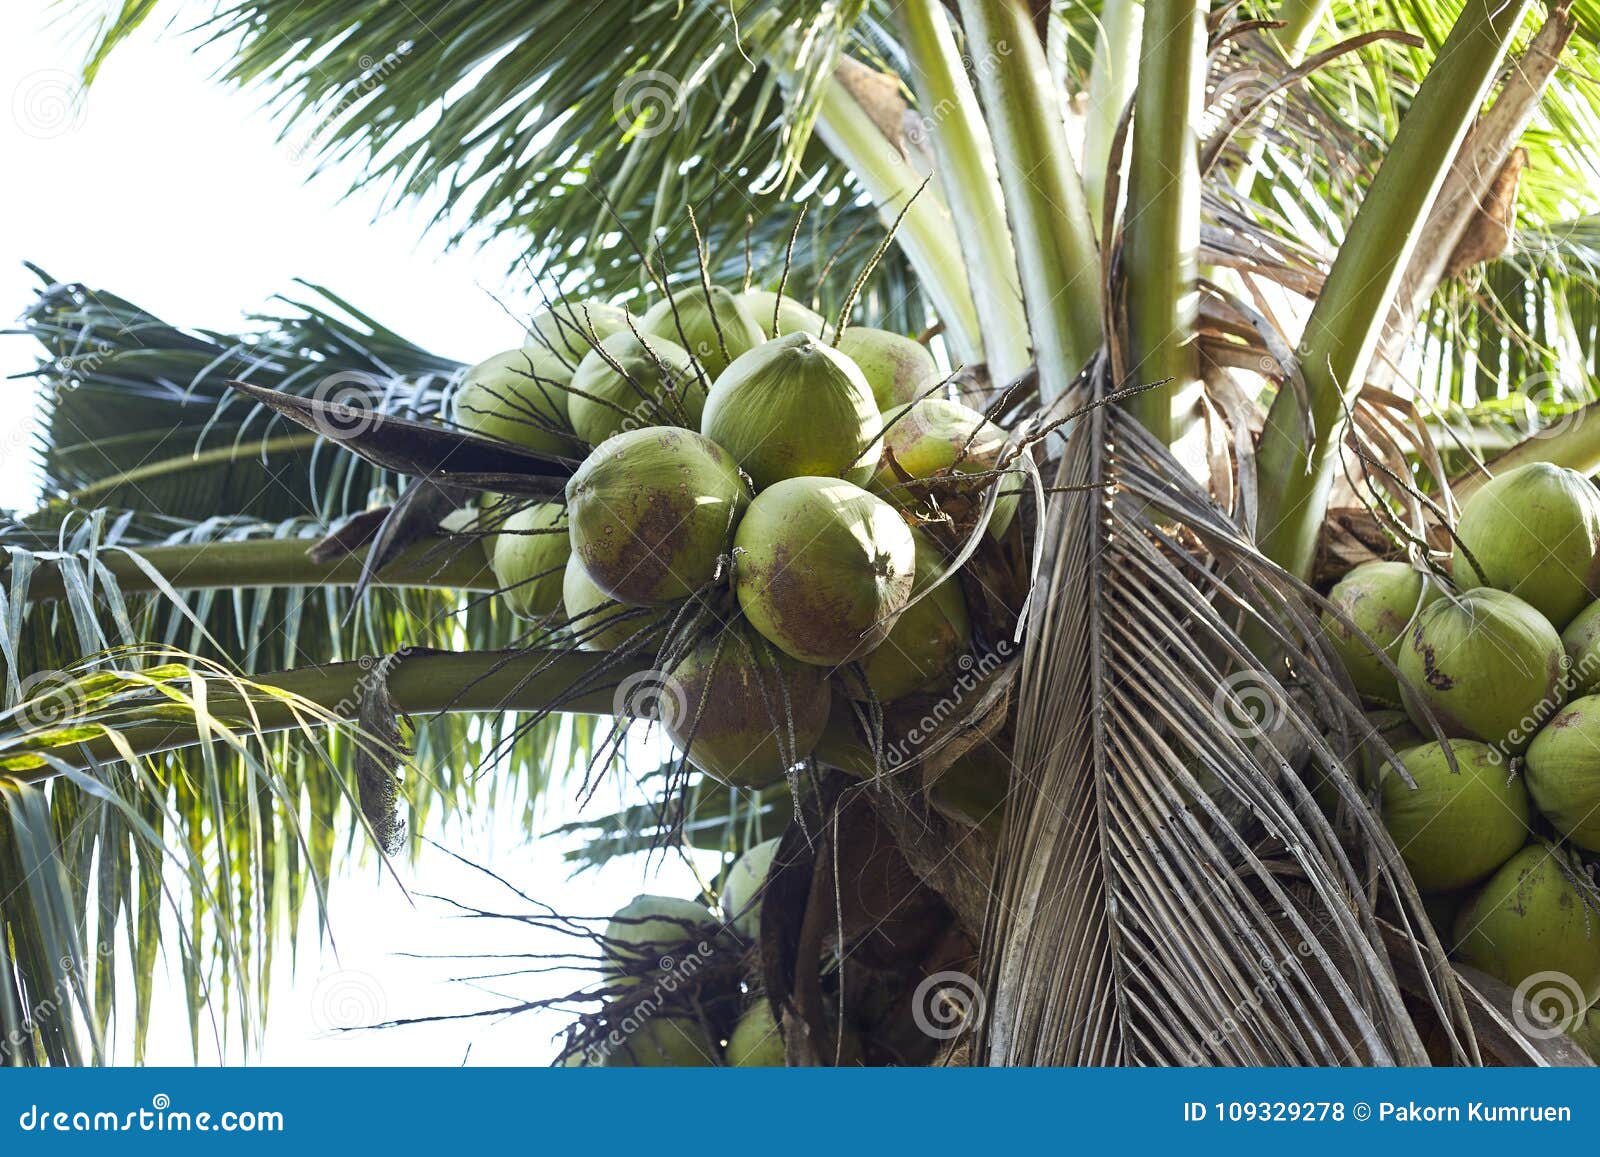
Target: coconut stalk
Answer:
[[966, 165], [1113, 76], [273, 562], [1162, 230], [1299, 444], [926, 234], [1572, 441], [420, 684], [1478, 163], [1044, 199]]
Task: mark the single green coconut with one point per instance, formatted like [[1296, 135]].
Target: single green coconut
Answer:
[[531, 548], [1564, 771], [938, 437], [649, 930], [1486, 665], [1530, 918], [1382, 600], [665, 1040], [627, 383], [822, 568], [757, 1039], [715, 330], [1585, 1033], [794, 407], [744, 712], [898, 369], [651, 512], [597, 621], [570, 330], [741, 891], [519, 396], [1581, 640], [927, 636], [1457, 825], [1535, 531], [792, 317]]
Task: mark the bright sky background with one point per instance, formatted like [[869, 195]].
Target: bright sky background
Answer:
[[169, 190]]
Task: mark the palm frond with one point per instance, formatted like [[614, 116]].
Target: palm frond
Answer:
[[1170, 892]]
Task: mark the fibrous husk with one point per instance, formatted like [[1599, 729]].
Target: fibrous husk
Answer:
[[791, 317], [652, 511], [520, 397], [529, 559], [1534, 531], [711, 325], [898, 369], [1563, 770], [1485, 665], [1381, 600], [627, 383], [822, 568], [1458, 823], [794, 407]]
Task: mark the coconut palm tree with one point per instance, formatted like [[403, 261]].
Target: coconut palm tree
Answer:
[[1258, 288]]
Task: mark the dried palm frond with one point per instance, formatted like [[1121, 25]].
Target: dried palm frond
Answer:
[[1169, 891]]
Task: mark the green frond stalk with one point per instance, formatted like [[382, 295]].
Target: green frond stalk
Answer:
[[199, 460], [926, 234], [1113, 76], [277, 562], [1300, 20], [1347, 320], [1573, 442], [421, 684], [965, 158], [1057, 257], [1163, 215]]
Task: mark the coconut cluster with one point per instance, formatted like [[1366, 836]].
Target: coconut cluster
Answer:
[[668, 1005], [1507, 667], [746, 504]]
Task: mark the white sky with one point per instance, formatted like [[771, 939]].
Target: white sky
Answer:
[[173, 192]]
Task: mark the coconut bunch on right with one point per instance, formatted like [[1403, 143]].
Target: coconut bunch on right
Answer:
[[767, 506], [1502, 656]]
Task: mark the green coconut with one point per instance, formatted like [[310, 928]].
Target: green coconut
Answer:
[[646, 931], [627, 383], [1530, 919], [531, 548], [570, 330], [1563, 771], [715, 330], [1581, 640], [744, 712], [898, 369], [597, 621], [822, 568], [651, 511], [1382, 600], [741, 891], [1534, 531], [925, 639], [793, 317], [519, 396], [794, 407], [757, 1039], [938, 437], [665, 1040], [1486, 665], [1457, 825]]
